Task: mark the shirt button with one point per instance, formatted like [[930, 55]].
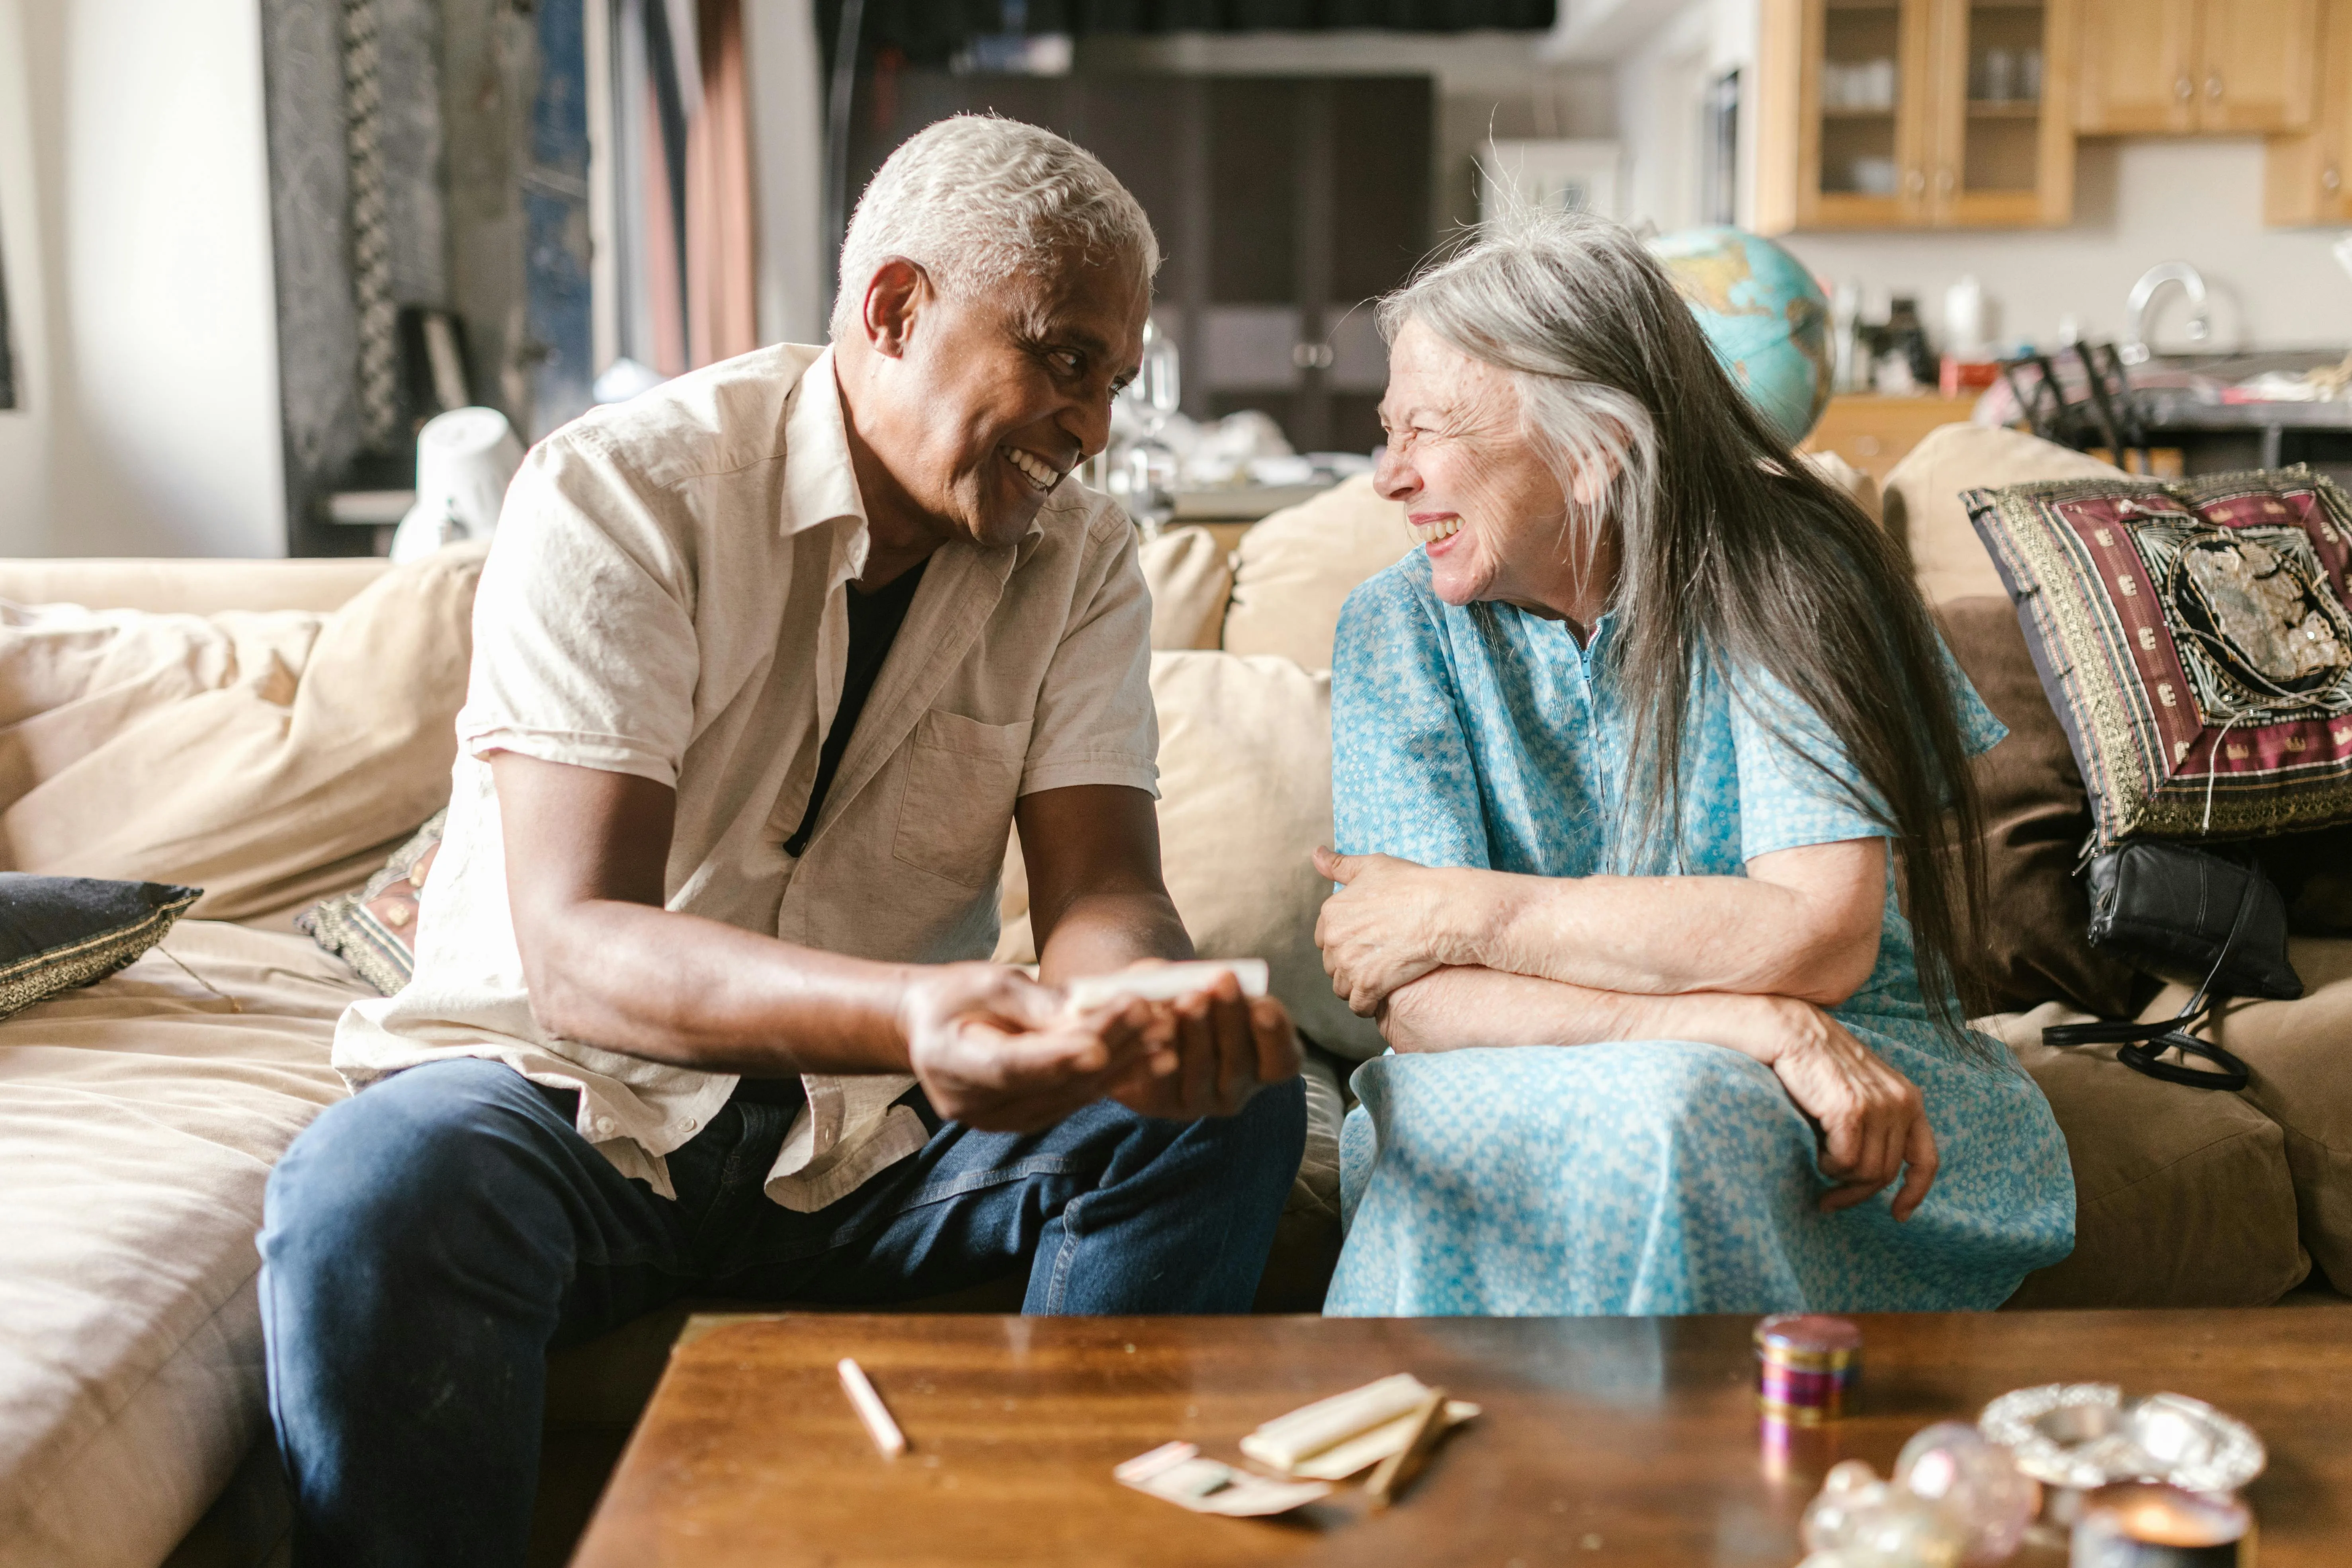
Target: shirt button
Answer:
[[601, 1127], [692, 1125]]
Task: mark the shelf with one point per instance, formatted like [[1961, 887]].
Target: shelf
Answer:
[[1829, 113], [2004, 109]]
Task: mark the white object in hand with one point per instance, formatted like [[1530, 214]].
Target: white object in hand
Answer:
[[1166, 982], [871, 1410]]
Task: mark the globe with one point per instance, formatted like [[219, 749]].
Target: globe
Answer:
[[1764, 317]]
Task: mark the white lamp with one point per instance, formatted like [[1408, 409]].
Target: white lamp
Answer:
[[464, 460]]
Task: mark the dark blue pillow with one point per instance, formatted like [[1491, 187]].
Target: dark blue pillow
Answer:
[[58, 932]]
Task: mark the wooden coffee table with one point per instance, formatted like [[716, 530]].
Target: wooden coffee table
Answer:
[[1603, 1441]]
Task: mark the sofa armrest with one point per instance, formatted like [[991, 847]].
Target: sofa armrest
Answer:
[[199, 587]]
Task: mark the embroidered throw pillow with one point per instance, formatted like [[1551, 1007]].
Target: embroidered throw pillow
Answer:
[[2193, 638], [374, 930], [58, 932]]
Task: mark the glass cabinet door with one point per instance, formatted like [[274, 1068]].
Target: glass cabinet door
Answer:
[[1864, 162], [2005, 151]]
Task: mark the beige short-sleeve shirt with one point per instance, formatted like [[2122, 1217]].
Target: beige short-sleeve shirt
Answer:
[[667, 597]]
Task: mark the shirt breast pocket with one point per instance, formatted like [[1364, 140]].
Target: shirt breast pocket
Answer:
[[962, 777]]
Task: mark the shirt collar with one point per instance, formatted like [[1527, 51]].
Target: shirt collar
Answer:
[[820, 481]]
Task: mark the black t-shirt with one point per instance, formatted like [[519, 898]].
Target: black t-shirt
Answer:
[[873, 621]]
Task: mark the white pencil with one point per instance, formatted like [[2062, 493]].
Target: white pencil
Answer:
[[870, 1410]]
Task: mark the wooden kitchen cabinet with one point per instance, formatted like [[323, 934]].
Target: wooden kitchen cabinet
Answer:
[[1916, 113], [2188, 66], [2304, 177]]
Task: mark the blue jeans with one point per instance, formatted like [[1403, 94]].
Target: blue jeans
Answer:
[[427, 1241]]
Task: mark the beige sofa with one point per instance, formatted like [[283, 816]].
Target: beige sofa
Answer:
[[278, 733]]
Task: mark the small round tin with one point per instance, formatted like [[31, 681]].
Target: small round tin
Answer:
[[1807, 1367]]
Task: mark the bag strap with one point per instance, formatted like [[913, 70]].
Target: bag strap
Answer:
[[2144, 1044]]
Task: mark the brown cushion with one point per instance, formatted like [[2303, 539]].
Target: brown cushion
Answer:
[[2194, 639], [2299, 1054], [2035, 815], [2183, 1197]]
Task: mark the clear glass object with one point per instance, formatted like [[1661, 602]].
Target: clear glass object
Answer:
[[1149, 467]]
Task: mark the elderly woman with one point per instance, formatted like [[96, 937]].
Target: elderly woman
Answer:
[[1631, 759]]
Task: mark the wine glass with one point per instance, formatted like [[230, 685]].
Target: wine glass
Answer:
[[1150, 400]]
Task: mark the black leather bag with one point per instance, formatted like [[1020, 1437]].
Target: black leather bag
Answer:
[[2166, 906]]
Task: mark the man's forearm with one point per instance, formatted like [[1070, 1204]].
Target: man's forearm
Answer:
[[1456, 1009], [697, 992], [1095, 934]]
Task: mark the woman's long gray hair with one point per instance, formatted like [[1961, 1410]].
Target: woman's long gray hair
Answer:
[[1730, 552]]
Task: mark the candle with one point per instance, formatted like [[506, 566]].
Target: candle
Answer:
[[2147, 1524]]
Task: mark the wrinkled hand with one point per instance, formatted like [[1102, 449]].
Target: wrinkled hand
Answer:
[[1381, 930], [995, 1050], [1207, 1053], [1873, 1124]]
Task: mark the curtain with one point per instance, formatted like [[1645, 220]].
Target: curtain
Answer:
[[682, 170]]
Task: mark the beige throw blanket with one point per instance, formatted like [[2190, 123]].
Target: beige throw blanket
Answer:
[[268, 757]]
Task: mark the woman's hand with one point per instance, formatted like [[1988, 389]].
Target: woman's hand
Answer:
[[1385, 928], [1873, 1123]]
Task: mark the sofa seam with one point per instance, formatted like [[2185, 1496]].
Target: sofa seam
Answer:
[[2182, 1158], [115, 1412]]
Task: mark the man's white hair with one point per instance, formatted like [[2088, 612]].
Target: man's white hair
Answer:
[[980, 203]]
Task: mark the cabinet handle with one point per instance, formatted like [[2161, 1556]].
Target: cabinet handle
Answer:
[[2330, 180], [2213, 87], [2183, 88], [1944, 181], [1917, 181]]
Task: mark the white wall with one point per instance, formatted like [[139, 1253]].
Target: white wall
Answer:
[[2136, 202], [134, 193]]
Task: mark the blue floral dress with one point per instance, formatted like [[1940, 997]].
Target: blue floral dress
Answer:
[[1643, 1176]]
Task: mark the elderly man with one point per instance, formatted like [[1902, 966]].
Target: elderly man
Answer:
[[767, 663]]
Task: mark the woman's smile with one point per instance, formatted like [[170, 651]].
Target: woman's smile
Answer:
[[1433, 529]]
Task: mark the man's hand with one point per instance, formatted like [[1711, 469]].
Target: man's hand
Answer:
[[1873, 1124], [1383, 930], [1207, 1053], [995, 1050]]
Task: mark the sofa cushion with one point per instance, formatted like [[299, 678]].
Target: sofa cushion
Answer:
[[1921, 499], [2183, 1197], [373, 928], [2033, 938], [1293, 570], [139, 1119], [1244, 797], [301, 748], [2193, 637], [59, 932], [1853, 481], [2299, 1056], [1189, 576]]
